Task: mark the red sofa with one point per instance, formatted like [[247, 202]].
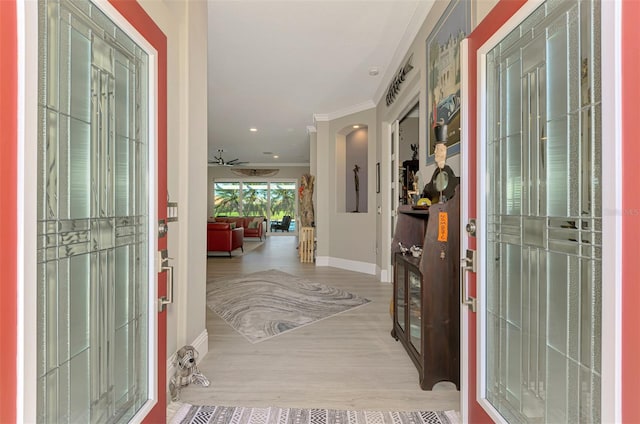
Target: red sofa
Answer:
[[222, 238], [254, 226]]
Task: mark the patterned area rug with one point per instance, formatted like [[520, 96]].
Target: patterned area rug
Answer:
[[190, 414], [266, 304]]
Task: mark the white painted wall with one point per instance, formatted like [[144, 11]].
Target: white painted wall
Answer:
[[345, 240], [185, 25], [356, 151]]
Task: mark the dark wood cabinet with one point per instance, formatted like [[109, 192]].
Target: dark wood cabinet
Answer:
[[426, 312]]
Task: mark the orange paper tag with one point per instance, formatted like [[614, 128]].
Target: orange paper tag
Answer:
[[443, 226]]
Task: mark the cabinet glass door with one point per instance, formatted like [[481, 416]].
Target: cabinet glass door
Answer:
[[400, 295], [415, 308]]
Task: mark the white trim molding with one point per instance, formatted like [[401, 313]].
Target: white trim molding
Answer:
[[27, 386], [350, 110], [349, 265], [383, 275], [611, 334], [464, 219]]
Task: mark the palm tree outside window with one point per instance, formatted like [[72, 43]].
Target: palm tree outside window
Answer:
[[227, 199], [272, 200]]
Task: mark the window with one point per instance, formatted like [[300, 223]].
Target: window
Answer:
[[271, 199], [227, 199]]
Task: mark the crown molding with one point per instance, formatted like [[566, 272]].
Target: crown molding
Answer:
[[350, 110], [402, 51]]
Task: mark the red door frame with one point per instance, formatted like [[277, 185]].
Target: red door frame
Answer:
[[9, 214], [498, 16], [142, 22], [630, 211]]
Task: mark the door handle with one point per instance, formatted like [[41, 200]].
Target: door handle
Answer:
[[162, 266], [467, 264], [168, 299]]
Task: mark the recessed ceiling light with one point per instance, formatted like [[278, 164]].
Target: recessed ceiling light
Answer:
[[356, 126], [253, 129], [276, 156], [373, 71]]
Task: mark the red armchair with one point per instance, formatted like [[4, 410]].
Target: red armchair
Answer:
[[222, 238]]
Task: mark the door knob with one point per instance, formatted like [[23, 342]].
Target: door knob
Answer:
[[471, 227]]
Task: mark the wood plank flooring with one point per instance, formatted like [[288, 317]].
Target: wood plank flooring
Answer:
[[348, 361]]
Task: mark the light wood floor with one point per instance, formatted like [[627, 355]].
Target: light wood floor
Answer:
[[348, 361]]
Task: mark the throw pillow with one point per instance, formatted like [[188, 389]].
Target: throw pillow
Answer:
[[253, 224]]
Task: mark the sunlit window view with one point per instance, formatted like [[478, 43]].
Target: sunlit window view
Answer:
[[283, 203], [227, 199], [255, 200], [273, 200]]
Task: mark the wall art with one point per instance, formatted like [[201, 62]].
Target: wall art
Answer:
[[443, 77]]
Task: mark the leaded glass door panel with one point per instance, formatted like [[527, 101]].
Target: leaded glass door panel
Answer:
[[543, 212], [94, 227]]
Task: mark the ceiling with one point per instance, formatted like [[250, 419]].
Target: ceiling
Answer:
[[273, 65]]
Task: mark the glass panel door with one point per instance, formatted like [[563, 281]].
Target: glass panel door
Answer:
[[543, 280], [93, 218], [283, 202]]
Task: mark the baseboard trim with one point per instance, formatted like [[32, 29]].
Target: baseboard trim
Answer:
[[383, 275], [356, 266], [201, 344]]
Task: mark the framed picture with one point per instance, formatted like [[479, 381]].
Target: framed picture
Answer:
[[378, 177], [443, 77]]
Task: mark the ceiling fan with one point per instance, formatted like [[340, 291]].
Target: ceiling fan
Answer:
[[219, 160]]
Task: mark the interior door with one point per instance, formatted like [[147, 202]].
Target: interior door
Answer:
[[101, 341], [539, 217]]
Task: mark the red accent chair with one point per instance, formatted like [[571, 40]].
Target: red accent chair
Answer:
[[222, 238]]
